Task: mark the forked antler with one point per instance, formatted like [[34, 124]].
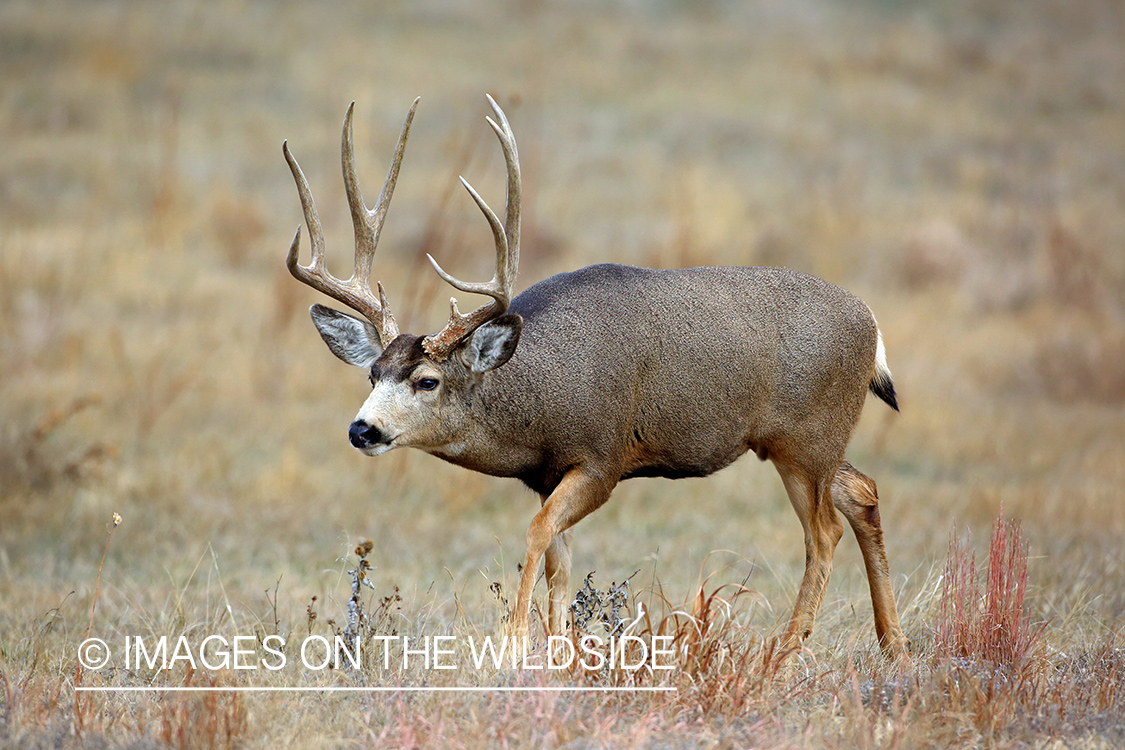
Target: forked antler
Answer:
[[368, 224], [507, 236]]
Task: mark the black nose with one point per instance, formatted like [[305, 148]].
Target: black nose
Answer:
[[363, 435]]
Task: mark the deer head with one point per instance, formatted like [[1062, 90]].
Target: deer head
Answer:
[[419, 384]]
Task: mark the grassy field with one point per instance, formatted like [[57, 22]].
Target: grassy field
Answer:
[[960, 165]]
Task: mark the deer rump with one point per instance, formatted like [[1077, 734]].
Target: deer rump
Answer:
[[635, 372]]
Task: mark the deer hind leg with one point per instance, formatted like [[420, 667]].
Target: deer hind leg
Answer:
[[577, 495], [811, 498], [855, 495]]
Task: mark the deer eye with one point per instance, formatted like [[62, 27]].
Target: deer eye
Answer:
[[426, 384]]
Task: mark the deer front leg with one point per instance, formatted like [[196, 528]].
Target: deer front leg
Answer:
[[577, 494], [855, 495]]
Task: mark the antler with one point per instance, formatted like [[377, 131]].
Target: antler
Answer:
[[507, 236], [368, 224]]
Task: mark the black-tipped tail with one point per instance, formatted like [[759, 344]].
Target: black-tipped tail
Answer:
[[883, 387]]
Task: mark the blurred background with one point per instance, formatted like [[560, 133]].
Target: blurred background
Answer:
[[958, 164]]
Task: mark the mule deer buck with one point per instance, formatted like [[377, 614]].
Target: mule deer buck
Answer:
[[611, 372]]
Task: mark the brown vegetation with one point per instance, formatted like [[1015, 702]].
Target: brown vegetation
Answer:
[[959, 165]]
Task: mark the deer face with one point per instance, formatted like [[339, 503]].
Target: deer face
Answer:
[[416, 399]]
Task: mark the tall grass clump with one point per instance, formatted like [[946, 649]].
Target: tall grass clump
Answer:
[[981, 615]]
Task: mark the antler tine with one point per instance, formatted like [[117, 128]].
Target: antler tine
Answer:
[[368, 224], [506, 236], [493, 288], [312, 220], [514, 193]]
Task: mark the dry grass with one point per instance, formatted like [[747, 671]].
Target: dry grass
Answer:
[[958, 164], [983, 617]]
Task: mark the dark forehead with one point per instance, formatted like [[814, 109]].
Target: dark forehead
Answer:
[[399, 359]]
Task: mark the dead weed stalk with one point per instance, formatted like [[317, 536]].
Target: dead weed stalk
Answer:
[[81, 708]]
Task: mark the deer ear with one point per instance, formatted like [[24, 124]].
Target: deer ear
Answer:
[[353, 340], [493, 343]]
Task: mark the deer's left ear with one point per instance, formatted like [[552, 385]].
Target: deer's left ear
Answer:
[[493, 343]]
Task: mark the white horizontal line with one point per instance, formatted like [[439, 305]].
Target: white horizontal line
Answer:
[[381, 689]]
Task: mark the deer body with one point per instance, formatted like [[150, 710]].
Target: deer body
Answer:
[[612, 372], [639, 372]]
